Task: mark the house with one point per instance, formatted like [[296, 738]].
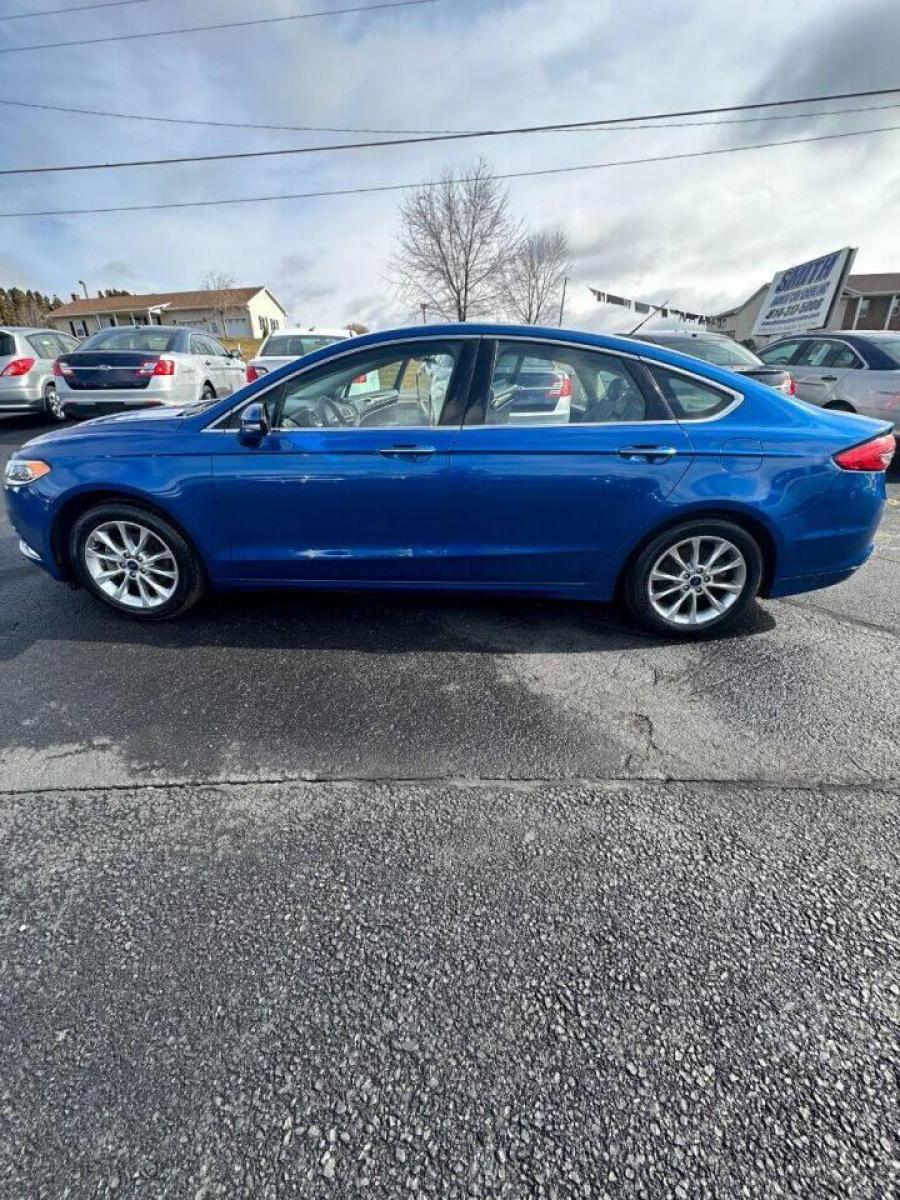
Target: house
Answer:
[[233, 312], [867, 302]]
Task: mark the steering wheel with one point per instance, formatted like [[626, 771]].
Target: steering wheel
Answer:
[[332, 412]]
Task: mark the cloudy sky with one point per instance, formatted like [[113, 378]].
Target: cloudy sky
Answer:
[[702, 233]]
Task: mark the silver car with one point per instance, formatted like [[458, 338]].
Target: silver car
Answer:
[[846, 369], [145, 366], [26, 369], [285, 345]]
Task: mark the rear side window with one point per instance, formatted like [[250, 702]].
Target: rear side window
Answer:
[[814, 353], [779, 354], [546, 384], [44, 344], [688, 398], [843, 357], [7, 344]]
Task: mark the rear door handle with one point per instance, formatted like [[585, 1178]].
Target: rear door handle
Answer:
[[829, 378], [413, 453], [647, 453]]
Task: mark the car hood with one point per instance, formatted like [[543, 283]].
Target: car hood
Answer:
[[159, 420]]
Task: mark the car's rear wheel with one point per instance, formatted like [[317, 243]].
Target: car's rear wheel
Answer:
[[695, 579], [208, 393], [135, 562], [52, 403]]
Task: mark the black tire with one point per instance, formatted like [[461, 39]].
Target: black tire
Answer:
[[637, 587], [840, 406], [191, 578], [52, 408], [208, 393]]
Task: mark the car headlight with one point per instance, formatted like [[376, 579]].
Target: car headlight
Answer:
[[20, 471]]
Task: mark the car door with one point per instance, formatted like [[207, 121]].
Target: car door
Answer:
[[349, 485], [549, 479], [841, 361], [231, 369], [808, 369]]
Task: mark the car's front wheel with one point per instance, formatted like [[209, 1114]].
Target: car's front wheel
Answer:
[[135, 561], [694, 579]]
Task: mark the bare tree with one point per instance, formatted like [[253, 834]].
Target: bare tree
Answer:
[[533, 279], [455, 240], [221, 301]]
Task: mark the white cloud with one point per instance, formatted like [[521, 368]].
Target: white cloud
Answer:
[[703, 232]]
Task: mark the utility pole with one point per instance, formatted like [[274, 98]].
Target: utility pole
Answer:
[[562, 299], [424, 308]]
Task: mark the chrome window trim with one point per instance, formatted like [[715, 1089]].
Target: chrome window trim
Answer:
[[259, 397]]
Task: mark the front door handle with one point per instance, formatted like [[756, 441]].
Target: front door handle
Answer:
[[647, 453], [413, 453]]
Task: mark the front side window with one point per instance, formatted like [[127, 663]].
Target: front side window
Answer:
[[537, 384], [780, 353], [687, 397], [385, 388]]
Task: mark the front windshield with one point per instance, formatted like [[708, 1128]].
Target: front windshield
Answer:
[[711, 350], [295, 345], [145, 338]]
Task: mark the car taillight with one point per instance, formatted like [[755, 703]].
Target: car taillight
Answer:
[[253, 373], [789, 387], [874, 455], [18, 366], [61, 368], [159, 366], [560, 391]]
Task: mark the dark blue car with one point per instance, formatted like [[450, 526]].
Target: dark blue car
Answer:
[[501, 458]]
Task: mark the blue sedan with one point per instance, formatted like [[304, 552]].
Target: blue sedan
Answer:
[[499, 458]]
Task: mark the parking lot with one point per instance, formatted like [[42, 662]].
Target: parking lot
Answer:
[[378, 894]]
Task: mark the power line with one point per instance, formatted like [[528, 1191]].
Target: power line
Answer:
[[417, 141], [402, 187], [599, 128], [55, 12], [129, 37]]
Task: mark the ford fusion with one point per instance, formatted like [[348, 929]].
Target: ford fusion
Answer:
[[499, 458]]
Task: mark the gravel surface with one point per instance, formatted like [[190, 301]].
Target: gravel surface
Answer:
[[386, 896]]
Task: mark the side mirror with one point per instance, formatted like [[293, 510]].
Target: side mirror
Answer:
[[236, 353], [254, 424]]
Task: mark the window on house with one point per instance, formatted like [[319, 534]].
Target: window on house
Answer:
[[863, 309]]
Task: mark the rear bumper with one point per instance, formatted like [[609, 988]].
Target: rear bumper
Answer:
[[100, 402]]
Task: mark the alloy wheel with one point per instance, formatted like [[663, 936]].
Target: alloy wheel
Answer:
[[695, 580], [131, 564]]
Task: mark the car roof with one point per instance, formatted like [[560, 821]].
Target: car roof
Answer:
[[683, 333], [29, 329], [314, 330]]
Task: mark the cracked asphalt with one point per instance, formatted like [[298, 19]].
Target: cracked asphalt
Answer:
[[380, 896]]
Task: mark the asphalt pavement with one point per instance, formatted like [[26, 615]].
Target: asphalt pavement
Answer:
[[345, 895]]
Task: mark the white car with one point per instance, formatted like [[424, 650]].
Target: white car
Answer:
[[286, 345]]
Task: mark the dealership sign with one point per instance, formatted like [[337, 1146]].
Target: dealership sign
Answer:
[[803, 297]]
